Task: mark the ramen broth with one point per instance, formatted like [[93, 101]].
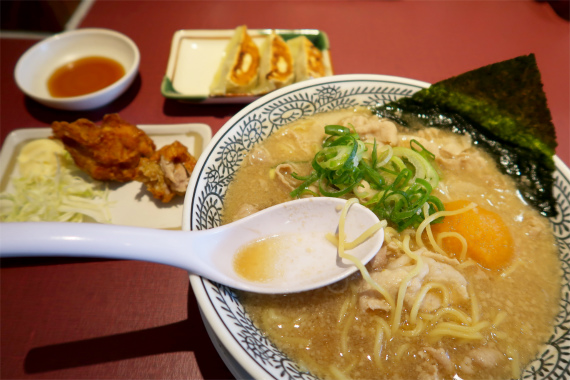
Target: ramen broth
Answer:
[[347, 331]]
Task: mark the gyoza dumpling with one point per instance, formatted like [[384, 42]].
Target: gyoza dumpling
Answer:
[[238, 71], [276, 66], [309, 60]]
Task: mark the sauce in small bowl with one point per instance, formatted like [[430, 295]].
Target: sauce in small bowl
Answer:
[[84, 76], [81, 54]]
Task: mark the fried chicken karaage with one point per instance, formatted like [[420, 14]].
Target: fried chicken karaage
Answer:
[[167, 171], [109, 152], [120, 151]]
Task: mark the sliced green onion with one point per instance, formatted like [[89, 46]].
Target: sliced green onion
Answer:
[[336, 130], [397, 181], [423, 151]]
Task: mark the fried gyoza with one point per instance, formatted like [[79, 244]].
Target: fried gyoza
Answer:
[[167, 171], [110, 152]]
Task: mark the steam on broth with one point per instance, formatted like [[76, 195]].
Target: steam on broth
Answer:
[[444, 312]]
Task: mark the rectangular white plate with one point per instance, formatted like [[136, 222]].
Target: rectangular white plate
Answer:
[[132, 204], [196, 54]]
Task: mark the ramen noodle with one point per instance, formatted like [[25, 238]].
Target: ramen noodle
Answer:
[[472, 297]]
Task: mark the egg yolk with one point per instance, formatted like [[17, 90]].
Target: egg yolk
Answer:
[[489, 241]]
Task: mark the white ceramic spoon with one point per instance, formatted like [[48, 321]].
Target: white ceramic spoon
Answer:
[[308, 261]]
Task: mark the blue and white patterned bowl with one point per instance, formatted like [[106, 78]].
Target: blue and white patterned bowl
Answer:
[[243, 347]]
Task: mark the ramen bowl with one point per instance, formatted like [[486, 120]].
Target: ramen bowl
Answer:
[[36, 66], [245, 349]]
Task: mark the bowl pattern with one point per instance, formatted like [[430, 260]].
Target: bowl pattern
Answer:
[[233, 327]]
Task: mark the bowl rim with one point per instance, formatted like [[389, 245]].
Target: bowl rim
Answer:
[[127, 77], [209, 296], [282, 92], [241, 360]]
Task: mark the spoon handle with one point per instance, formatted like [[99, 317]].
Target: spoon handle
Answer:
[[175, 248]]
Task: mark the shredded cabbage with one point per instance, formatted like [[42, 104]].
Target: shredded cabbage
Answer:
[[64, 196]]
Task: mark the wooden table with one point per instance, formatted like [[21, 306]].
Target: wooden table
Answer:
[[102, 319]]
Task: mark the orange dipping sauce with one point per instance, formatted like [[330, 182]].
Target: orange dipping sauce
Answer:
[[84, 76]]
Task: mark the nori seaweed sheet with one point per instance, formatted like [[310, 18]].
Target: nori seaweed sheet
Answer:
[[503, 108]]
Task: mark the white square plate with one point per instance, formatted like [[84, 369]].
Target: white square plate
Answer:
[[132, 204]]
